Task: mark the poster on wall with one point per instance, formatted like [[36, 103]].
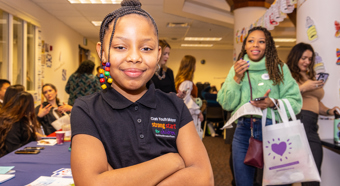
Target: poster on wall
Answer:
[[63, 76], [337, 29], [338, 56], [319, 66], [48, 60], [311, 30]]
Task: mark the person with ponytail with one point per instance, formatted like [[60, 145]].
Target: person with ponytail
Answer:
[[51, 109], [257, 72], [131, 133], [17, 123]]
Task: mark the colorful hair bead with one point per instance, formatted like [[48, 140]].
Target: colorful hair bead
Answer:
[[101, 71], [107, 69], [108, 64], [109, 80], [107, 73], [103, 63], [101, 75], [104, 86], [102, 80]]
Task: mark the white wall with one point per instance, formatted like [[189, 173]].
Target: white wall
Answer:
[[64, 40]]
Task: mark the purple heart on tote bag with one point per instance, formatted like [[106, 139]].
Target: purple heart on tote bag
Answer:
[[279, 148]]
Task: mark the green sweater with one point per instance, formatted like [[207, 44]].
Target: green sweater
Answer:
[[233, 95]]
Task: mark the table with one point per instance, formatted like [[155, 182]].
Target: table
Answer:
[[29, 167], [329, 144]]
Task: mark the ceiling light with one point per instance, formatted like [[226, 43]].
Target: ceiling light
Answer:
[[202, 39], [277, 46], [96, 23], [196, 45], [178, 25], [284, 39], [95, 1]]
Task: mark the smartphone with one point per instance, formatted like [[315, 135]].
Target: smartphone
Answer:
[[34, 148], [260, 98], [322, 76], [27, 151]]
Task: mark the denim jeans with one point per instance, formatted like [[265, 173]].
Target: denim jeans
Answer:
[[244, 174]]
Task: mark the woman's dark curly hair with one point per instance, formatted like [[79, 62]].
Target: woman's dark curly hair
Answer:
[[86, 67], [272, 59], [293, 59]]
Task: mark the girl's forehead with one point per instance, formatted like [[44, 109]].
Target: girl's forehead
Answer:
[[130, 17]]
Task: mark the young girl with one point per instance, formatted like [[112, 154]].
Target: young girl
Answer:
[[164, 77], [17, 123], [268, 76], [184, 83], [51, 109], [130, 133]]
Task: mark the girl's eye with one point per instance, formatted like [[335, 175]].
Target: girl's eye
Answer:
[[262, 42], [250, 41], [146, 49], [119, 48]]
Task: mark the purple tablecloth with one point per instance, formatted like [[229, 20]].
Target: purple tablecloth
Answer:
[[29, 167]]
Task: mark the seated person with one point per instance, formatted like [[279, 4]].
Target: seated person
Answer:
[[131, 133], [210, 95], [50, 110], [17, 123]]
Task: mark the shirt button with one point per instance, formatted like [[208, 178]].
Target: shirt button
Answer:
[[141, 136], [139, 120], [136, 107]]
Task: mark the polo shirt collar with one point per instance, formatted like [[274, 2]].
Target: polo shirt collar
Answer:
[[118, 101]]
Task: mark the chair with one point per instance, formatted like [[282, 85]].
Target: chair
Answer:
[[214, 114]]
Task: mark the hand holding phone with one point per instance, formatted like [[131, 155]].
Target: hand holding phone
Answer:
[[260, 98], [322, 76]]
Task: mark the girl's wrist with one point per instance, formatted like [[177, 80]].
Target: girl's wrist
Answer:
[[327, 112]]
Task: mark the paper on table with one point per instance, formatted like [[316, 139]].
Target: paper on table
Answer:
[[51, 181], [246, 109], [5, 177], [47, 142], [5, 169]]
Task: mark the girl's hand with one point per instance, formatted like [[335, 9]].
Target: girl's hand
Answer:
[[44, 110], [200, 117], [331, 111], [181, 94], [311, 85], [65, 108], [263, 104], [240, 67]]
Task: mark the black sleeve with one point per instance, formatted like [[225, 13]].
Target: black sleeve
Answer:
[[14, 137], [171, 75], [81, 121]]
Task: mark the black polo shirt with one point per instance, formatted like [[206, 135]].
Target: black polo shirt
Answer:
[[131, 132]]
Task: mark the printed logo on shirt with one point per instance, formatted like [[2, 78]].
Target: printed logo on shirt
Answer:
[[165, 130]]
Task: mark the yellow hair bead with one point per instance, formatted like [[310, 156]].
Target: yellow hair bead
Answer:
[[101, 71], [109, 80], [104, 86]]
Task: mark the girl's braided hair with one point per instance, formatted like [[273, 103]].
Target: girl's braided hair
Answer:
[[128, 7], [272, 59]]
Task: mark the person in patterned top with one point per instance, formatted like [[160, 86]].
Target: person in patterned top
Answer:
[[82, 82]]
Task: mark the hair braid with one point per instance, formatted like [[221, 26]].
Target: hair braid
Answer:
[[128, 7], [272, 59]]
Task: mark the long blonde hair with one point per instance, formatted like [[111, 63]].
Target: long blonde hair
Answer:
[[186, 70]]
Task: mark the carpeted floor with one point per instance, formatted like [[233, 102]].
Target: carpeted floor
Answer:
[[219, 154]]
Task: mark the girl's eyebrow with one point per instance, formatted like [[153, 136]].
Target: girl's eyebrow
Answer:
[[125, 38]]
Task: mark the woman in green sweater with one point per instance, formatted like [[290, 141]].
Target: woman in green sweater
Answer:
[[269, 76]]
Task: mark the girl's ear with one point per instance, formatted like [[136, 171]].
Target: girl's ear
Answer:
[[99, 51], [159, 53]]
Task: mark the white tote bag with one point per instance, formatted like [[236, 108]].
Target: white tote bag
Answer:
[[287, 155]]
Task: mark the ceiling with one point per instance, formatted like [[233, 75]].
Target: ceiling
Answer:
[[206, 19]]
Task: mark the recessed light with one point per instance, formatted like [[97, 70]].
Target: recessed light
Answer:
[[202, 39], [95, 1], [96, 23], [284, 39], [178, 25], [277, 46], [196, 45]]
